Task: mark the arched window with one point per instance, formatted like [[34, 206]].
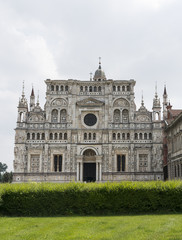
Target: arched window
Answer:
[[125, 116], [81, 88], [114, 136], [52, 87], [55, 136], [60, 136], [128, 136], [123, 88], [89, 136], [57, 88], [21, 117], [140, 136], [65, 136], [99, 89], [43, 136], [33, 136], [118, 88], [145, 136], [28, 136], [89, 152], [86, 88], [90, 89], [157, 116], [51, 136], [66, 88], [114, 88], [116, 116], [63, 116], [150, 136], [128, 88], [38, 136], [94, 136], [62, 88], [54, 115], [123, 136], [85, 136], [95, 89], [136, 136], [118, 136]]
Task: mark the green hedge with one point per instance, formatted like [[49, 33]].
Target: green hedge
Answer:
[[50, 199]]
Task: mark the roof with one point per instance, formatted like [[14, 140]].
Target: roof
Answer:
[[175, 112], [172, 115]]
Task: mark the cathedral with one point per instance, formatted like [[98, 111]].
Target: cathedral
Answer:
[[88, 131]]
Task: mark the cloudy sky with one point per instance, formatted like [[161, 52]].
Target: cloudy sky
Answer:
[[62, 39]]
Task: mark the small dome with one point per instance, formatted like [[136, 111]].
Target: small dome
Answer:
[[99, 74]]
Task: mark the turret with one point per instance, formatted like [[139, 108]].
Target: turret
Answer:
[[22, 107], [99, 73], [156, 107], [142, 107]]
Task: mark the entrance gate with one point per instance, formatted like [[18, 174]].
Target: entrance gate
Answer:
[[89, 166], [89, 172]]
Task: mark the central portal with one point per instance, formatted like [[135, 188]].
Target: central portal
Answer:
[[89, 166], [89, 172]]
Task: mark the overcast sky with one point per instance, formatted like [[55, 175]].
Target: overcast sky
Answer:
[[63, 39]]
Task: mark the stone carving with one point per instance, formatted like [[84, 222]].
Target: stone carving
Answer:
[[142, 118], [36, 118], [90, 102], [64, 113], [59, 102], [121, 102]]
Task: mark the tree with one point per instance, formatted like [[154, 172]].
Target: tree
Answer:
[[3, 168], [7, 177]]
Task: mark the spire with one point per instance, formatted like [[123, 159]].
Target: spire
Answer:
[[142, 102], [32, 99], [32, 93], [23, 89], [165, 92], [38, 98], [156, 95], [156, 100], [142, 107], [99, 73], [23, 101], [90, 76], [99, 62]]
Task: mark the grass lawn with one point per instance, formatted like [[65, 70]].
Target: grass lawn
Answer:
[[96, 228]]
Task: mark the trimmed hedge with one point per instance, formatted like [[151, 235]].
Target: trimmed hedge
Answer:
[[50, 199]]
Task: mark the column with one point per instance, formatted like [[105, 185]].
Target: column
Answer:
[[59, 116], [100, 175], [81, 171], [78, 171], [97, 170], [57, 163]]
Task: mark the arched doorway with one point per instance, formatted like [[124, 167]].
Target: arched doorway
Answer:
[[89, 166]]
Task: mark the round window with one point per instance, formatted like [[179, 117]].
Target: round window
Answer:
[[90, 119]]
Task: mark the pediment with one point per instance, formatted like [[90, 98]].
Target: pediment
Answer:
[[90, 102], [142, 118], [36, 118]]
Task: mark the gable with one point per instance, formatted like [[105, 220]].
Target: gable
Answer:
[[143, 118], [90, 102]]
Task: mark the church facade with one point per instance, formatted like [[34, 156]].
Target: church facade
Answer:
[[88, 131]]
